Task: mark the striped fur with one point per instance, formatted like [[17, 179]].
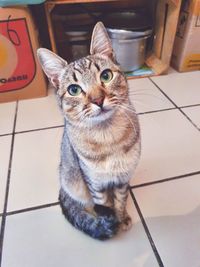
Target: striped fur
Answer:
[[101, 144]]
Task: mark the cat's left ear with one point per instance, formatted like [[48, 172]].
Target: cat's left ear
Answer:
[[100, 42]]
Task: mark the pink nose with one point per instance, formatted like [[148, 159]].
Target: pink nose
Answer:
[[98, 101]]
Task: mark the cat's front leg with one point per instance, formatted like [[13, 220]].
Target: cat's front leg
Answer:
[[120, 200], [101, 200]]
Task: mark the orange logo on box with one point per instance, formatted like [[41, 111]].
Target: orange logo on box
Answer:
[[17, 62], [191, 62]]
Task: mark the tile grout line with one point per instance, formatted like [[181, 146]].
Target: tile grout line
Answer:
[[166, 180], [189, 119], [155, 111], [179, 108], [139, 113], [40, 129], [166, 109], [32, 208], [153, 246], [8, 134], [187, 175], [34, 130], [191, 106], [3, 222]]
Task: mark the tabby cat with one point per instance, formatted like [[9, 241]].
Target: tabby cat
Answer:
[[101, 141]]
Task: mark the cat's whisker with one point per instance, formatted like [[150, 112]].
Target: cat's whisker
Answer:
[[160, 98], [126, 115], [125, 108], [139, 89], [134, 90], [141, 104]]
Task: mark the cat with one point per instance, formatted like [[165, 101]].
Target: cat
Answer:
[[101, 144]]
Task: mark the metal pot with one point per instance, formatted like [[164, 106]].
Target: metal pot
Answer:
[[129, 47], [129, 32]]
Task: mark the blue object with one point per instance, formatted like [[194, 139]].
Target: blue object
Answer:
[[4, 3], [143, 71]]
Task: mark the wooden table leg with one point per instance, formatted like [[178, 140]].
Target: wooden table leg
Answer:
[[48, 9]]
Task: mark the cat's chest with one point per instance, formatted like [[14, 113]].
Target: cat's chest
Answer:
[[104, 146], [106, 154], [97, 142]]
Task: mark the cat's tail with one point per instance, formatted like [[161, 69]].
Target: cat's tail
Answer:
[[100, 227]]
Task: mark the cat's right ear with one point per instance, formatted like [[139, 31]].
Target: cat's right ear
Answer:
[[100, 42], [51, 64]]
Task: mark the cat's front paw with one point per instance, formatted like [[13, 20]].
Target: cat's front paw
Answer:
[[126, 224]]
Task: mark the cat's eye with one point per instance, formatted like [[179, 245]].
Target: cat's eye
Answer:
[[74, 89], [106, 76]]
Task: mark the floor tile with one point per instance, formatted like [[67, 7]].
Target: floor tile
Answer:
[[7, 114], [38, 113], [34, 175], [172, 214], [194, 114], [182, 88], [146, 97], [5, 145], [47, 239], [170, 146]]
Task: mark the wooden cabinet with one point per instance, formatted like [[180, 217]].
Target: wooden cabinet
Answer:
[[165, 16]]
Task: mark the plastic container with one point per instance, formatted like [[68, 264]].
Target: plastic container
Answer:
[[4, 3]]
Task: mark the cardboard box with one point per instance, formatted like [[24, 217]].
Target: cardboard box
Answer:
[[21, 76], [186, 51]]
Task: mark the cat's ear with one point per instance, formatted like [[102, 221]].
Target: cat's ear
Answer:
[[100, 42], [51, 64]]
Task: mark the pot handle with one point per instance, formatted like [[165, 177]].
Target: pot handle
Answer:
[[131, 40]]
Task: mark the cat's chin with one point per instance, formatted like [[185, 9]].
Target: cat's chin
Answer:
[[101, 116]]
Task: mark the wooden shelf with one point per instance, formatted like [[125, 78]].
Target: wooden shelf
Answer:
[[60, 2], [167, 13]]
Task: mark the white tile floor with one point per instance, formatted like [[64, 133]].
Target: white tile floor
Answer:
[[165, 200]]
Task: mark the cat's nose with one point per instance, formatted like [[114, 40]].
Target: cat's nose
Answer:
[[98, 101]]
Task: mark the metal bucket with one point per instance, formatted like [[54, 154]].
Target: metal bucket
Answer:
[[129, 47]]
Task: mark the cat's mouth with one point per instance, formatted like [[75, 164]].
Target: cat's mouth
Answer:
[[104, 111]]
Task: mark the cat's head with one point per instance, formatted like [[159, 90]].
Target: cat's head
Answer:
[[92, 88]]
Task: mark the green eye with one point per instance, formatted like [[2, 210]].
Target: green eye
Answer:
[[106, 76], [74, 89]]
